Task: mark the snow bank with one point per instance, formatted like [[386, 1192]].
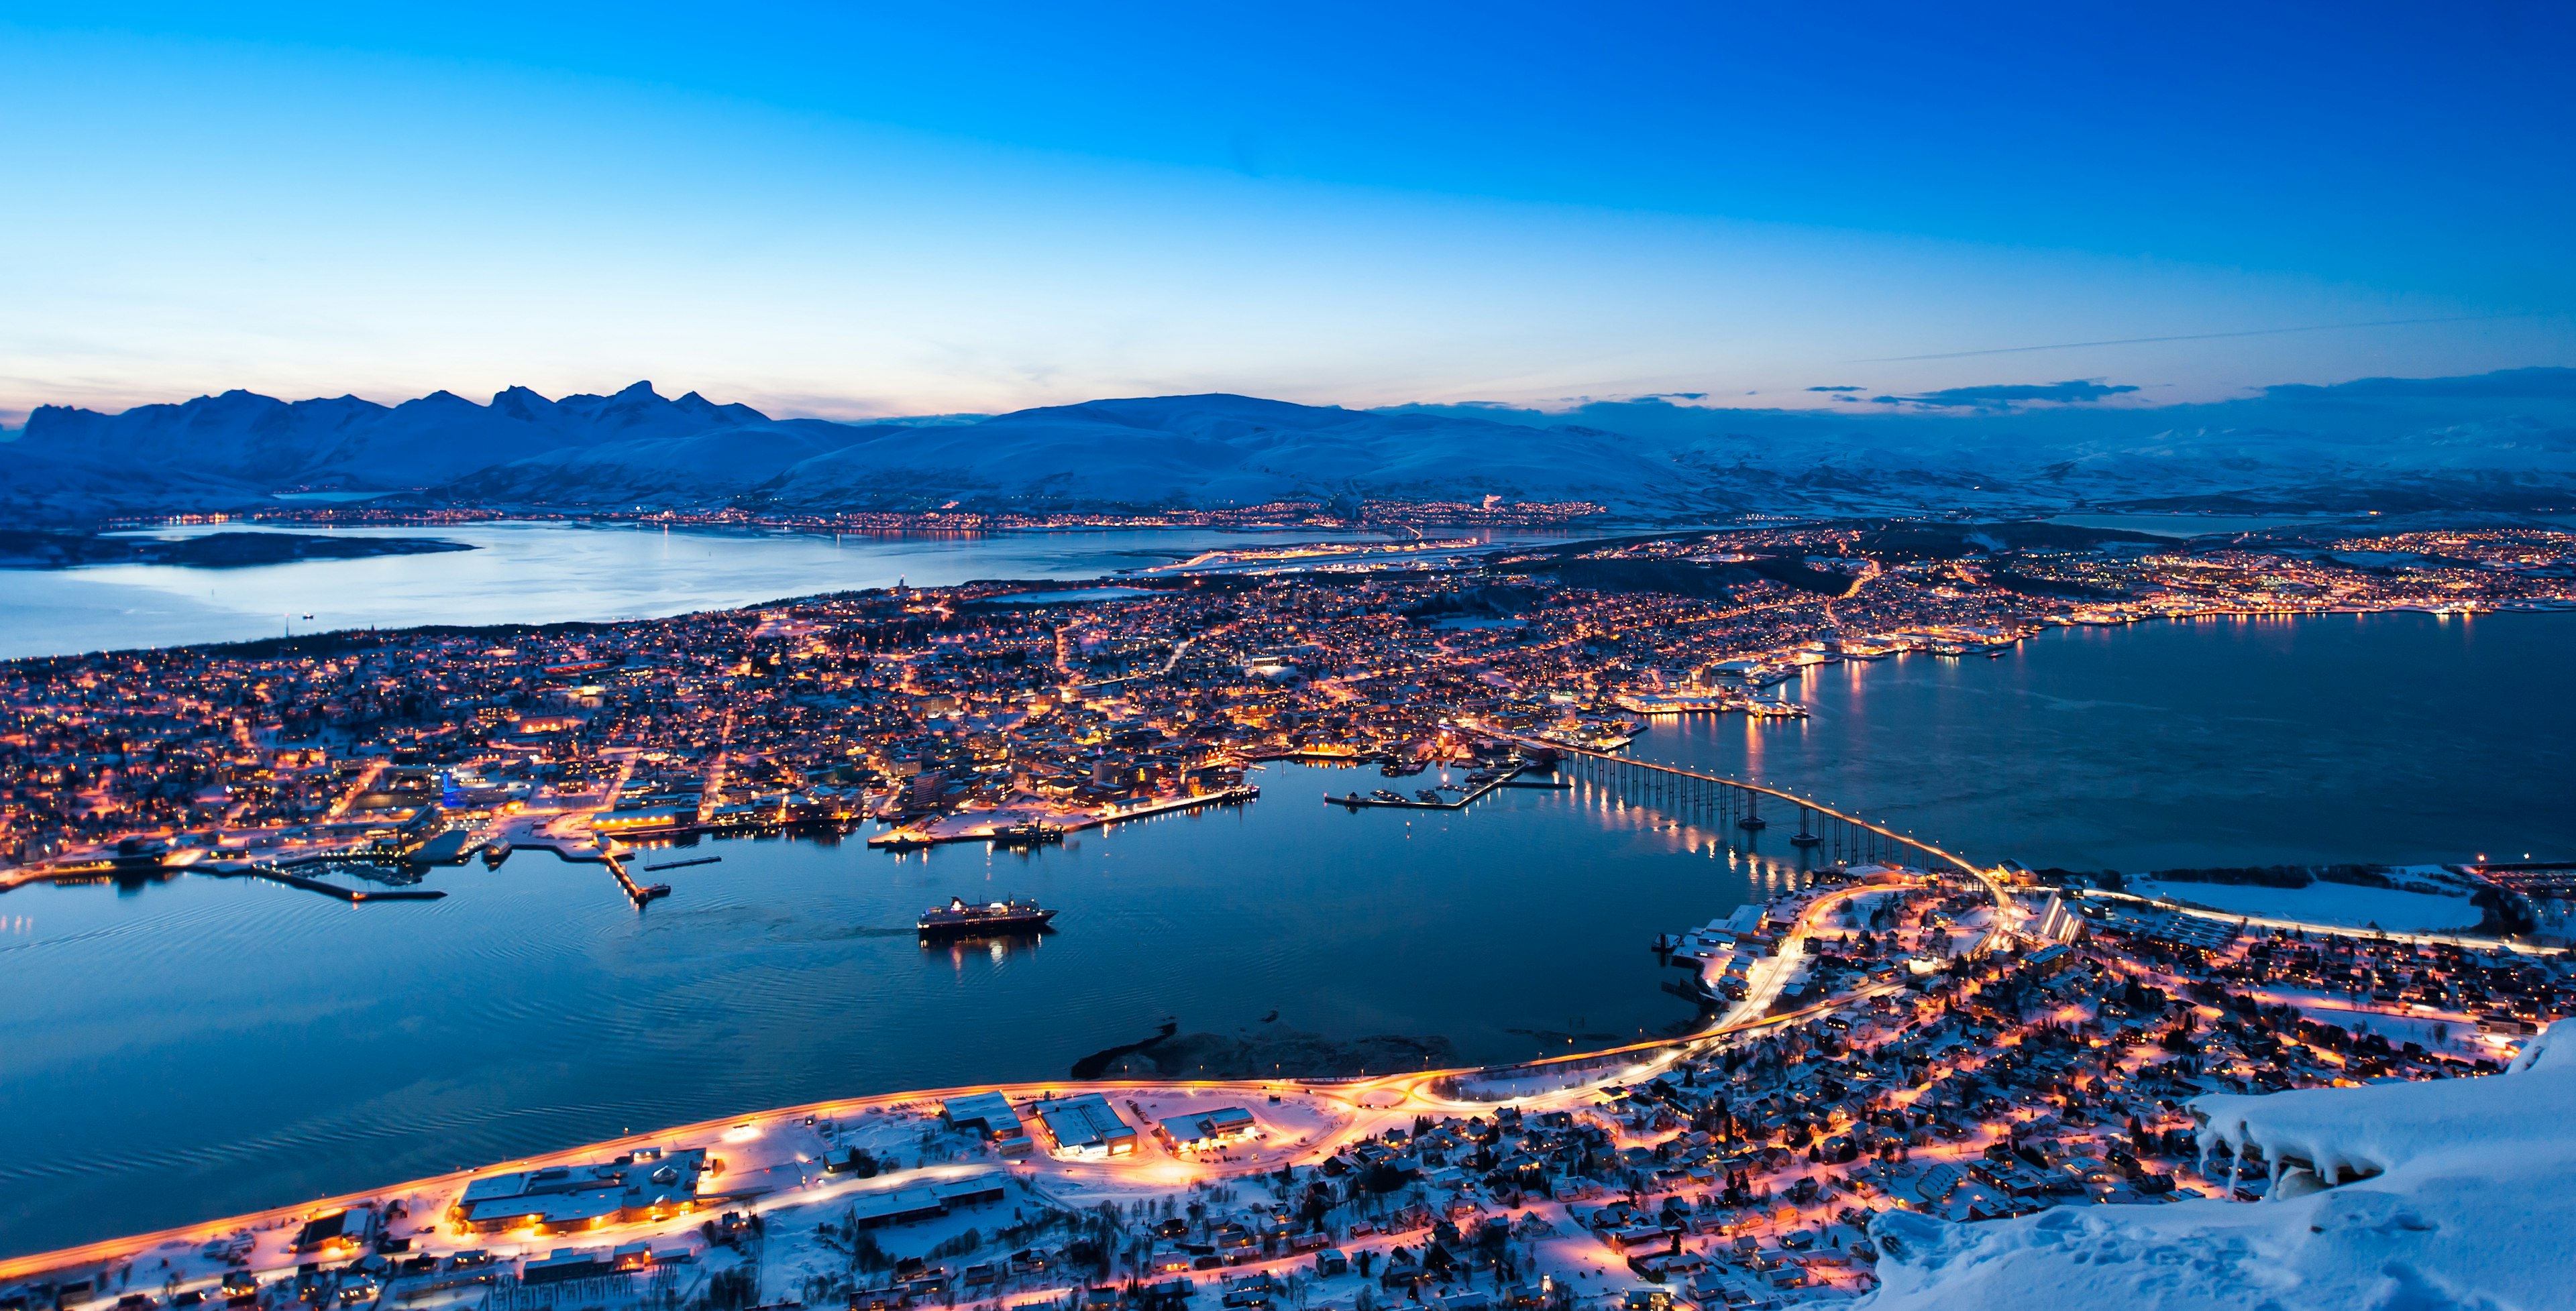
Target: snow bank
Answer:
[[2393, 909], [2472, 1205]]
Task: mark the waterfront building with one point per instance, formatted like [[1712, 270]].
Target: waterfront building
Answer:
[[989, 1114], [1085, 1127], [647, 1184], [1207, 1130]]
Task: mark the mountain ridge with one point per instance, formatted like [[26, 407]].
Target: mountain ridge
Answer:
[[2495, 441]]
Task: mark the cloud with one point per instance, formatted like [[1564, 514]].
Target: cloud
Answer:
[[2198, 336], [1836, 389], [2079, 391]]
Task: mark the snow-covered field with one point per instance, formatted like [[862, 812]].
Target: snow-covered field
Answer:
[[2325, 903], [2465, 1204]]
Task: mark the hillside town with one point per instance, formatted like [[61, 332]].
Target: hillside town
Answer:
[[956, 713]]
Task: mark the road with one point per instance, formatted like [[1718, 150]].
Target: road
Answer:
[[1355, 1108], [2462, 940]]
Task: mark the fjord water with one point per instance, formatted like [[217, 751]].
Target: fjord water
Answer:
[[2389, 738], [541, 572], [189, 1049], [200, 1047]]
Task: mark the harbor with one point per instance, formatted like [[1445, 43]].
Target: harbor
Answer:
[[1030, 827], [1477, 785]]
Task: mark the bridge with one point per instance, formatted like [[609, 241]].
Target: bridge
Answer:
[[1358, 1107], [1832, 834]]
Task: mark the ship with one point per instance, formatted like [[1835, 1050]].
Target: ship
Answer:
[[958, 919], [1031, 834]]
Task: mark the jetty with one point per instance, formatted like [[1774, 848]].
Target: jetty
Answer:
[[1355, 801], [1007, 830]]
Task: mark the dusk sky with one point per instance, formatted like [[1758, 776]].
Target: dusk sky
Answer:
[[848, 210]]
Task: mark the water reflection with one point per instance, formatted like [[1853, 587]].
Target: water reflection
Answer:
[[992, 948], [548, 572]]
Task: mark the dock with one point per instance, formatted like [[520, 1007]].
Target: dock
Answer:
[[916, 837], [293, 880], [1355, 801], [641, 895]]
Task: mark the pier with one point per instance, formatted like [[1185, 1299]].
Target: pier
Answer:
[[640, 894], [988, 827], [1355, 801], [351, 895]]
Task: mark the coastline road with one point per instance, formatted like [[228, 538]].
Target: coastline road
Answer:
[[1312, 1120], [2466, 941]]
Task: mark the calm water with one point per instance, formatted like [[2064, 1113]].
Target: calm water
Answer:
[[539, 573], [202, 1047], [232, 1044], [2390, 738]]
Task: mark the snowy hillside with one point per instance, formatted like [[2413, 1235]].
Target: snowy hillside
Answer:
[[1214, 450], [2455, 1194], [2503, 440], [636, 447], [2500, 441]]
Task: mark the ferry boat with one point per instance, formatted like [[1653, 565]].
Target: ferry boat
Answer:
[[957, 918]]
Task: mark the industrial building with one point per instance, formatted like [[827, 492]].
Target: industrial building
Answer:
[[1207, 1130], [642, 1185], [990, 1114], [1085, 1127], [901, 1206]]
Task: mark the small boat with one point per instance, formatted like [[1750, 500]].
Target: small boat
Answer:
[[902, 840], [1428, 796], [1014, 915], [1383, 795]]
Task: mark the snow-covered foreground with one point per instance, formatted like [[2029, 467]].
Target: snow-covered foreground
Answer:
[[2466, 1204], [2393, 909]]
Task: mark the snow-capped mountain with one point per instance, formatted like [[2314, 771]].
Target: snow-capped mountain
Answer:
[[636, 447], [2499, 441]]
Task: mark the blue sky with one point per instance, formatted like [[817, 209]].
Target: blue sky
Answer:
[[845, 209]]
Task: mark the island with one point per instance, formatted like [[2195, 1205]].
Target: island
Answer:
[[22, 548]]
